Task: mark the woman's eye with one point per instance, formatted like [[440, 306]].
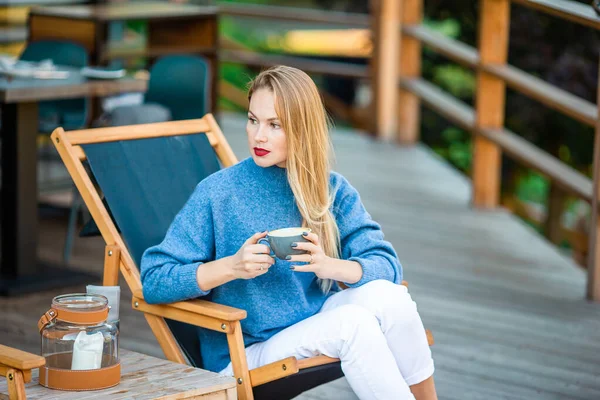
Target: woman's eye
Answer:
[[275, 126], [252, 120]]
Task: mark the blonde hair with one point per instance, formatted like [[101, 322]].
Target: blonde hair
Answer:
[[300, 109]]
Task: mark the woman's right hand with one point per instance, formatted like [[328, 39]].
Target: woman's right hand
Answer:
[[252, 259]]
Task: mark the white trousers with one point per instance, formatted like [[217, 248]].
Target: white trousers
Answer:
[[376, 332]]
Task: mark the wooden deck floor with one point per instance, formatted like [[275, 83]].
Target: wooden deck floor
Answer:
[[506, 308]]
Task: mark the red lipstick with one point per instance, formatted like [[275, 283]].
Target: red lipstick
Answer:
[[260, 152]]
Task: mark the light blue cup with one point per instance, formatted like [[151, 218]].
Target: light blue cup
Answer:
[[280, 241]]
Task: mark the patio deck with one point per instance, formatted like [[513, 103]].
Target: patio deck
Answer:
[[506, 308]]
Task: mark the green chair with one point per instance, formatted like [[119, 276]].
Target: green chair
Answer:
[[71, 113], [181, 84]]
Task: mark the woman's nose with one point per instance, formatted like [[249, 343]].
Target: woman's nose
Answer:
[[260, 137]]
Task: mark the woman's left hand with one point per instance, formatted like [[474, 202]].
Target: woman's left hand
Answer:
[[316, 257]]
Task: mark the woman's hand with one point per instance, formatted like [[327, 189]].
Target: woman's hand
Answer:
[[252, 259], [318, 261]]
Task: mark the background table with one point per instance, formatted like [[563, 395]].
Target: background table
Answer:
[[144, 377], [172, 29], [20, 270]]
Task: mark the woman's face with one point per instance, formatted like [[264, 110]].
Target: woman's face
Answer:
[[266, 138]]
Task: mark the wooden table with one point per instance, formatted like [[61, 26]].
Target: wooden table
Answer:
[[172, 29], [145, 377], [20, 270]]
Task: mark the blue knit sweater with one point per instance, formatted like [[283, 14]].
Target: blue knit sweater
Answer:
[[226, 209]]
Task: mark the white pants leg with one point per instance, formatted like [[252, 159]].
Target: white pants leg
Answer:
[[374, 330]]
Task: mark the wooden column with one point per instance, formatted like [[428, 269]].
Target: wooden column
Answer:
[[593, 283], [384, 66], [409, 105], [556, 205], [494, 23]]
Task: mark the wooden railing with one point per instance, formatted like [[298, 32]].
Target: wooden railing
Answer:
[[398, 90], [486, 119]]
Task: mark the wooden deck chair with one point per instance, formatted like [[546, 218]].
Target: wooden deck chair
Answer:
[[146, 173], [16, 366]]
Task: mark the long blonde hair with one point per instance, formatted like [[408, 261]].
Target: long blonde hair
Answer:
[[300, 109]]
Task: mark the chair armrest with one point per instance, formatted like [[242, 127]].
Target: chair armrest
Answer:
[[20, 360], [211, 309], [200, 313]]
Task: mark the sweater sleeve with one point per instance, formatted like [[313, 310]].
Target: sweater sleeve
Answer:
[[168, 270], [362, 239]]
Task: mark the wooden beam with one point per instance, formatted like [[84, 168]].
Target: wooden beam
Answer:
[[112, 261], [294, 14], [165, 338], [19, 359], [494, 23], [443, 103], [556, 205], [273, 371], [237, 353], [530, 155], [453, 49], [409, 106], [385, 66], [546, 93], [593, 270], [569, 10]]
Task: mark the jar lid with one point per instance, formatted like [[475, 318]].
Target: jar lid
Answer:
[[77, 308]]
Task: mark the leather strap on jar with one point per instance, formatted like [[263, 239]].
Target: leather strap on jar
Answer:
[[91, 379], [74, 317]]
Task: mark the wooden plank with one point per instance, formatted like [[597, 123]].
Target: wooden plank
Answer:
[[593, 265], [546, 93], [273, 371], [384, 67], [259, 60], [294, 14], [237, 353], [141, 131], [210, 309], [19, 359], [314, 361], [222, 148], [112, 261], [442, 102], [44, 27], [409, 106], [530, 155], [494, 22], [569, 10], [178, 314], [453, 49], [127, 11], [16, 385], [556, 205]]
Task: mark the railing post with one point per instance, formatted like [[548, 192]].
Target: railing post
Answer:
[[494, 23], [409, 105], [556, 204], [593, 266], [384, 66]]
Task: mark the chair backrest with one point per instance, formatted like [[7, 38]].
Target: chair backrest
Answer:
[[71, 112], [146, 178], [182, 84]]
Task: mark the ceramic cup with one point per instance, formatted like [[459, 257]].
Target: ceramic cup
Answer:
[[280, 241]]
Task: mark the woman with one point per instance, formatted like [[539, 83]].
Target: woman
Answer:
[[295, 307]]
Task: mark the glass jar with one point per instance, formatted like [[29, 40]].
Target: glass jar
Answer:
[[75, 334]]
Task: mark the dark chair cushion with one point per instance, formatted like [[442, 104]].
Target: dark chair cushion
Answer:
[[294, 385]]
